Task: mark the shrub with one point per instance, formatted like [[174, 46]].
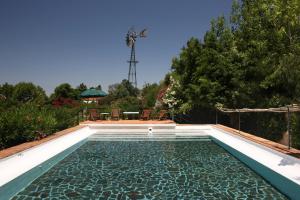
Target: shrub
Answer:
[[65, 117], [127, 104], [295, 130], [25, 123]]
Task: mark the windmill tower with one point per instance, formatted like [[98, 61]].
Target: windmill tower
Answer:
[[130, 41]]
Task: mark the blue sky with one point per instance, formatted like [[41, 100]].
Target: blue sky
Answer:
[[50, 42]]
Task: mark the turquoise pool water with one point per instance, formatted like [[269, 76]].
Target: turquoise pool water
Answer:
[[150, 169]]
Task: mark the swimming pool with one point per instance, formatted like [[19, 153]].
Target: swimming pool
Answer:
[[150, 168], [21, 171]]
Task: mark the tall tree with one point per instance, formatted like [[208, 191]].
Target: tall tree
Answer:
[[99, 87], [82, 87], [6, 90], [123, 89], [28, 92], [64, 90], [267, 37], [252, 62], [210, 72]]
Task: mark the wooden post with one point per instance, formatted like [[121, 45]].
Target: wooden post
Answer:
[[78, 118], [216, 116], [288, 126], [173, 113], [239, 121]]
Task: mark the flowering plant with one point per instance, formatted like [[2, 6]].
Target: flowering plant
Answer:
[[170, 96]]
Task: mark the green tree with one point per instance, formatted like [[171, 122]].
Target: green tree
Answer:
[[99, 87], [64, 90], [82, 87], [129, 103], [7, 90], [251, 62], [210, 72], [149, 93], [123, 89], [123, 95], [268, 39], [28, 92], [78, 90], [6, 96]]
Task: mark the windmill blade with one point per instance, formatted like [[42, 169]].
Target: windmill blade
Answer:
[[129, 41], [143, 33]]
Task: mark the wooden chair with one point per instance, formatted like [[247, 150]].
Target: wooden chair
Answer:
[[145, 114], [163, 114], [93, 114], [115, 113]]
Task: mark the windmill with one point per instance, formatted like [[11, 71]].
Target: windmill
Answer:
[[130, 41]]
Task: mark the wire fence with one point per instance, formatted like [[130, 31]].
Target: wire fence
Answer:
[[280, 127]]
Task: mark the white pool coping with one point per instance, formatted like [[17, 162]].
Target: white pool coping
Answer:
[[283, 164], [130, 125], [16, 165]]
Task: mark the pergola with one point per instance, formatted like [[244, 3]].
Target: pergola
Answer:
[[284, 109]]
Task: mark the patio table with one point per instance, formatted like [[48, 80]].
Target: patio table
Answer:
[[132, 114], [104, 115]]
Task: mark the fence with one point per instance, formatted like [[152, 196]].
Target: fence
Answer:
[[281, 125]]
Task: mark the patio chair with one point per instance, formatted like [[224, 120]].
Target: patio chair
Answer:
[[163, 114], [115, 113], [93, 114], [145, 114]]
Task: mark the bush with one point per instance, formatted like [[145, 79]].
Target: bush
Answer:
[[65, 117], [127, 104], [149, 94], [295, 130], [25, 123]]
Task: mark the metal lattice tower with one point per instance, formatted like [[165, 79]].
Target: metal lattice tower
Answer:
[[132, 67], [130, 40]]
